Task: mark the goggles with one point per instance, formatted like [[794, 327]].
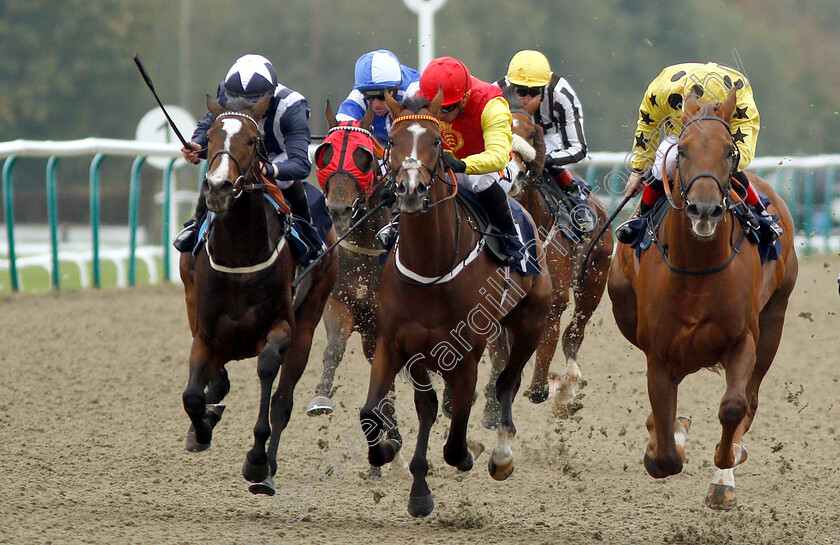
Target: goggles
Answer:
[[522, 91]]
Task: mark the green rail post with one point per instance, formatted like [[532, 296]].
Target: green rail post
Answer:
[[133, 206], [808, 211], [167, 200], [9, 208], [829, 202], [52, 217], [94, 215]]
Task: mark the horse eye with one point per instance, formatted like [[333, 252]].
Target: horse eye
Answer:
[[680, 152], [390, 142], [438, 141], [252, 141]]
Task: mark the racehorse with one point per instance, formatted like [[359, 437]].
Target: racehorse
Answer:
[[704, 300], [434, 315], [565, 257], [352, 185], [239, 297]]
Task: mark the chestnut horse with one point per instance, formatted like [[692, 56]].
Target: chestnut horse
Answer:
[[565, 258], [704, 300], [436, 308], [239, 297], [352, 303]]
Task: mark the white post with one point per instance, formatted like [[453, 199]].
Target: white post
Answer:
[[425, 10]]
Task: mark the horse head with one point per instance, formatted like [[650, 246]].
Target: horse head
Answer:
[[234, 147], [707, 157], [416, 152], [528, 146], [346, 167]]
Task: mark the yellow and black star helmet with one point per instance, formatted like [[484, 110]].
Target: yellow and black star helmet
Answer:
[[529, 68]]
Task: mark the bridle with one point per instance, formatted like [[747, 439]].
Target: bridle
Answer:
[[685, 188], [239, 185], [412, 163]]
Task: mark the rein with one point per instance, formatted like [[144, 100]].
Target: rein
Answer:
[[259, 153]]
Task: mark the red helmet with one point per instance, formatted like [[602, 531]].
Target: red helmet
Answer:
[[446, 72]]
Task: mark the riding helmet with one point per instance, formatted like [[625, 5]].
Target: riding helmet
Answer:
[[378, 69], [447, 73], [251, 76], [529, 68]]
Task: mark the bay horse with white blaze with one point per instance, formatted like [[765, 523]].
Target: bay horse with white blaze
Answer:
[[239, 296], [432, 314], [704, 300]]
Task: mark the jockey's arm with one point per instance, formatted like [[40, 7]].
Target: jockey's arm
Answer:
[[294, 125], [745, 124], [568, 145], [496, 123]]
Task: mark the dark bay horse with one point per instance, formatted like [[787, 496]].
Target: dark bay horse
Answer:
[[704, 300], [565, 259], [438, 309], [349, 174], [239, 297]]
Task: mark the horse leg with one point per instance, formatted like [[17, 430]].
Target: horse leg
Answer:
[[457, 452], [255, 468], [735, 418], [195, 399], [420, 501], [498, 350], [338, 322], [383, 370], [663, 455], [537, 392], [216, 391]]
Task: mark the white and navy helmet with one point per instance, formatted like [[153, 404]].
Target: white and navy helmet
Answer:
[[251, 76], [377, 70]]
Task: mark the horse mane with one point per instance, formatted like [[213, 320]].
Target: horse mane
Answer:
[[239, 104], [415, 103]]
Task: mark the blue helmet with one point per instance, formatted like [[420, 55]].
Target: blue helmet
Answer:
[[378, 69], [250, 76]]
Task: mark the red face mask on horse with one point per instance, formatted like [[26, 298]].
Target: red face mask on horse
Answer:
[[347, 148]]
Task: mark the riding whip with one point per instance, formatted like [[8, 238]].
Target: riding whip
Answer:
[[152, 88], [600, 233], [381, 204]]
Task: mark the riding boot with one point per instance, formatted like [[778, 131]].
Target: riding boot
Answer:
[[495, 202], [185, 240], [387, 236], [628, 231], [295, 195]]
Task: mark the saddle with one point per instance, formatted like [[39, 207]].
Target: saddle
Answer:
[[491, 234], [575, 219]]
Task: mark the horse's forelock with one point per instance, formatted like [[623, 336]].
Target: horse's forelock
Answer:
[[415, 103]]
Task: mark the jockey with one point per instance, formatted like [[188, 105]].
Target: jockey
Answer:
[[285, 128], [376, 73], [560, 113], [475, 124], [659, 126]]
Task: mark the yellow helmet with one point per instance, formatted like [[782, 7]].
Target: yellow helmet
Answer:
[[529, 68]]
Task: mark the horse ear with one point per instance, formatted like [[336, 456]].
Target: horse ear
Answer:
[[691, 106], [330, 116], [213, 106], [258, 110], [434, 107], [532, 106], [368, 117], [393, 106], [724, 110]]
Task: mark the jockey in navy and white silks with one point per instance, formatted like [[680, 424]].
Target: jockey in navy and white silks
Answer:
[[284, 127], [376, 73]]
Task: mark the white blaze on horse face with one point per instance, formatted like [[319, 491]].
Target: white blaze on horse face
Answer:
[[417, 130], [221, 173]]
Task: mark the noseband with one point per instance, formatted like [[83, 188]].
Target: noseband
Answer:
[[685, 188], [239, 184], [412, 163]]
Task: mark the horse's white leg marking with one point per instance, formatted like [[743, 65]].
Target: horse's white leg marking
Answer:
[[568, 388], [416, 130], [231, 126], [502, 454]]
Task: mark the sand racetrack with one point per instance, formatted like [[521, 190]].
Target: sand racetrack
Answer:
[[92, 432]]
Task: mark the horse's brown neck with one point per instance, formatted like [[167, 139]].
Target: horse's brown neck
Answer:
[[428, 239], [687, 251], [532, 200], [240, 237]]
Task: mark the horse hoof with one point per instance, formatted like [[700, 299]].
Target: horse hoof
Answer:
[[375, 473], [265, 487], [500, 472], [192, 444], [319, 405], [560, 410], [721, 497], [656, 471], [537, 395], [421, 506], [255, 473]]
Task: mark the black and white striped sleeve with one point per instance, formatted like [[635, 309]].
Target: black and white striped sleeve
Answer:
[[565, 140]]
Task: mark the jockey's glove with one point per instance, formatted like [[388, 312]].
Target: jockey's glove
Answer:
[[389, 197], [455, 164], [553, 165]]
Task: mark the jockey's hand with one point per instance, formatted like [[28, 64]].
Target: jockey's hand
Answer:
[[634, 184], [190, 152], [450, 161], [269, 170], [552, 165], [388, 196]]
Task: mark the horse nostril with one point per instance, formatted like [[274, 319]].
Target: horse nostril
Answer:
[[401, 189], [692, 211], [716, 213], [422, 189]]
